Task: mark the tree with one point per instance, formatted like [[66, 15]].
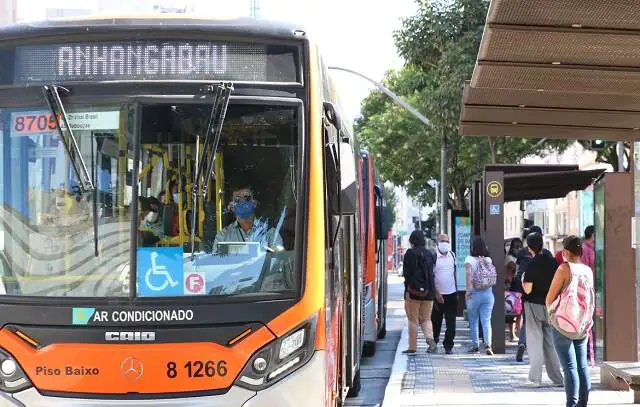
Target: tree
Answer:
[[439, 45]]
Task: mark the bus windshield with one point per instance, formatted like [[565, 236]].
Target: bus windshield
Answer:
[[233, 236], [236, 234]]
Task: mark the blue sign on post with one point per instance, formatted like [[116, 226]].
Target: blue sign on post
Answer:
[[160, 271], [494, 209], [463, 248]]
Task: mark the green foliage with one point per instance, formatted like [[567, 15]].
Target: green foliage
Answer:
[[440, 45]]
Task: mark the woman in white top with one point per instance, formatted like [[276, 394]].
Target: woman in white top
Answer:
[[479, 301]]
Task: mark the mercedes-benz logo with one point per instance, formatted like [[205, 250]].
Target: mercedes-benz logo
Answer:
[[131, 368]]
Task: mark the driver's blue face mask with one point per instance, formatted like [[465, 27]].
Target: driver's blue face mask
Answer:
[[244, 207]]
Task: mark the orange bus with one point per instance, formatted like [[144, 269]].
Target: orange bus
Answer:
[[180, 217], [374, 259]]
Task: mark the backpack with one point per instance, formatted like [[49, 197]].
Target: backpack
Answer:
[[421, 286], [484, 275], [571, 313], [512, 303]]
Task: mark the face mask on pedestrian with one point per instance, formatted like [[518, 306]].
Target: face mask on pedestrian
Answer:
[[151, 217], [444, 247]]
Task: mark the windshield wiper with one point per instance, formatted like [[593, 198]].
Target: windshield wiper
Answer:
[[52, 96], [204, 168], [219, 106], [194, 213]]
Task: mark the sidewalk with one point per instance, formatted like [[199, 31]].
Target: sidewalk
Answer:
[[475, 380]]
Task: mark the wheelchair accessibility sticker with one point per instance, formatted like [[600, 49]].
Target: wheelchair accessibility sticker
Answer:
[[160, 272]]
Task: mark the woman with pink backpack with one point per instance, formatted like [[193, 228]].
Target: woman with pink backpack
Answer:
[[571, 303]]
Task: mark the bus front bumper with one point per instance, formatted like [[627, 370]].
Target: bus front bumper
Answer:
[[304, 387]]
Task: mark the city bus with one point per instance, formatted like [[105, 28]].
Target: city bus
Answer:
[[374, 254], [180, 218]]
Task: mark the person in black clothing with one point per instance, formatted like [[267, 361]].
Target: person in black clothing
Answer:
[[419, 291], [536, 282], [523, 256]]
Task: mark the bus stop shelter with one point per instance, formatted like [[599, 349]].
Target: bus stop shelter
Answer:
[[510, 183], [566, 69], [559, 69]]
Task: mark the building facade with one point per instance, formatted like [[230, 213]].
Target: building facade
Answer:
[[512, 220]]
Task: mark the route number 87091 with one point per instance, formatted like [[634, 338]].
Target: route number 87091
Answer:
[[197, 368]]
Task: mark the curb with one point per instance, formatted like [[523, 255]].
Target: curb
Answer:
[[393, 391]]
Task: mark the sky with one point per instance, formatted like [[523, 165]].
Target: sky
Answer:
[[353, 34]]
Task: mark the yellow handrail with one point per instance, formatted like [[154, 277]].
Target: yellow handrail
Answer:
[[219, 189]]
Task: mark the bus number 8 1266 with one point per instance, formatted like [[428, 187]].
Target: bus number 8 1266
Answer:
[[198, 368]]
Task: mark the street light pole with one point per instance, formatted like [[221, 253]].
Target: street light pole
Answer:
[[437, 223], [435, 185], [443, 186], [387, 92], [423, 119]]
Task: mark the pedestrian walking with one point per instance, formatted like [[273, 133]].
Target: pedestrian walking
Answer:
[[571, 303], [446, 305], [536, 282], [523, 257], [481, 277], [419, 292]]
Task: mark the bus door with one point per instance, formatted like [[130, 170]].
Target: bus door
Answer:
[[368, 238], [381, 234]]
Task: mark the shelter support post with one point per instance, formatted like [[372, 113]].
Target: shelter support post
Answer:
[[476, 208], [615, 274], [494, 238]]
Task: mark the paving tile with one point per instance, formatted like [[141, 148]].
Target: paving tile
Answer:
[[470, 380]]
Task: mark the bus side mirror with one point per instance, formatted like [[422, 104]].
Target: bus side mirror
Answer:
[[349, 193], [333, 115], [381, 221], [332, 171], [345, 161]]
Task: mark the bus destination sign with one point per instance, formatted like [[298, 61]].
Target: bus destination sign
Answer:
[[154, 61]]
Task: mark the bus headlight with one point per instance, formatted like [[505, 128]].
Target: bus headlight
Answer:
[[292, 343], [279, 358], [12, 377]]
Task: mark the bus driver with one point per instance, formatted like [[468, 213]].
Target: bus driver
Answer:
[[246, 227]]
